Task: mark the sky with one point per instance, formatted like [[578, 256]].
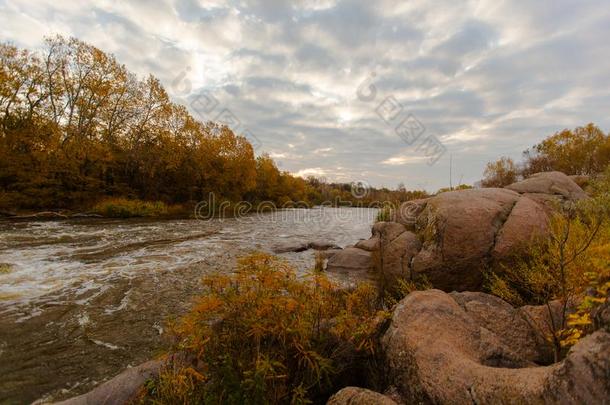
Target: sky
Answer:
[[383, 92]]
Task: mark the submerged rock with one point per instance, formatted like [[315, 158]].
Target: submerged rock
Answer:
[[369, 245], [291, 247], [322, 245], [303, 246]]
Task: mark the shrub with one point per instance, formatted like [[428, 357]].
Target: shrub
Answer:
[[582, 322], [403, 287], [583, 150], [262, 335], [385, 213], [563, 267], [5, 268], [124, 208]]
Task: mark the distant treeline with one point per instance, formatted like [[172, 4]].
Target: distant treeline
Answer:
[[76, 128]]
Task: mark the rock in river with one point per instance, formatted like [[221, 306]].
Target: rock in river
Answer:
[[452, 238]]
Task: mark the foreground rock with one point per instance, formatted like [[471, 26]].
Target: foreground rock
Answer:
[[475, 348], [119, 390], [453, 237], [359, 396]]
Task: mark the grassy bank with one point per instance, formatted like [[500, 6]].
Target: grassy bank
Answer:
[[125, 208]]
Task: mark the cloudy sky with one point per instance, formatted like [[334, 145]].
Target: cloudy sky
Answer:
[[483, 78]]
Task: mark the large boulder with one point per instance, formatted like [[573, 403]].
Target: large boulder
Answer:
[[458, 231], [527, 220], [519, 329], [582, 180], [584, 376], [474, 348], [452, 238], [397, 248]]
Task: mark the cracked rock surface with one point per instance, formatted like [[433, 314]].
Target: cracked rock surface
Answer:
[[452, 237], [475, 348]]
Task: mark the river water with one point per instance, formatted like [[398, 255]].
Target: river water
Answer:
[[81, 300]]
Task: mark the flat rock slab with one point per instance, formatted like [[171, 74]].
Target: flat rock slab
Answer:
[[554, 183], [120, 389], [303, 246], [353, 262]]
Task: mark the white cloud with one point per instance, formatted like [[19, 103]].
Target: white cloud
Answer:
[[312, 171], [403, 160]]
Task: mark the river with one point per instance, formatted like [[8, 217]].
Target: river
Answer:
[[81, 300]]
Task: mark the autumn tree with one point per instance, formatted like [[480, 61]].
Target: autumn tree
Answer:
[[267, 178], [77, 126], [500, 173], [584, 150]]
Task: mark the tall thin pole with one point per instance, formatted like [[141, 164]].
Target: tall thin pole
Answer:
[[451, 172]]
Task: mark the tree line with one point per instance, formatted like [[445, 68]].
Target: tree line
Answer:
[[77, 127]]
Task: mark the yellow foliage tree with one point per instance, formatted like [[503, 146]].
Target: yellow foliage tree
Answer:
[[500, 173], [558, 270], [583, 150]]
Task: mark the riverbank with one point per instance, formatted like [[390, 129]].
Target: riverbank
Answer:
[[109, 208], [130, 209]]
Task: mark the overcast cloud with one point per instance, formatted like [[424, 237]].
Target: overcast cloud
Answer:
[[487, 78]]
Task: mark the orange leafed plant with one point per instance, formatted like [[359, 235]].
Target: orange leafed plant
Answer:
[[264, 335]]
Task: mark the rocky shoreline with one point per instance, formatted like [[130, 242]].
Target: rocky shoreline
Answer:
[[451, 238], [453, 343]]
